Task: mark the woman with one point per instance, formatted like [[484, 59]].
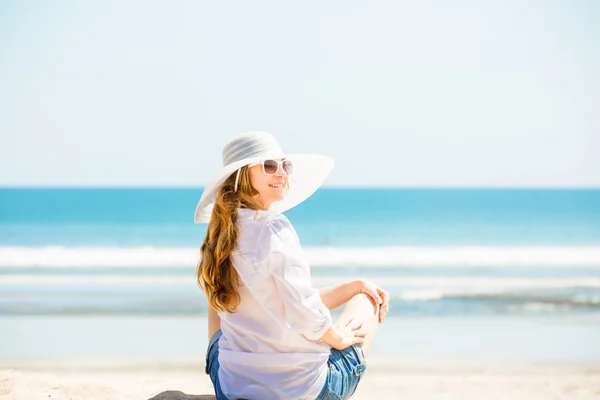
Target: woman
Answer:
[[271, 333]]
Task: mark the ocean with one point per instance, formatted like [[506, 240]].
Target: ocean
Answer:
[[444, 254]]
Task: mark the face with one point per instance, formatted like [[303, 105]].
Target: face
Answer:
[[270, 188]]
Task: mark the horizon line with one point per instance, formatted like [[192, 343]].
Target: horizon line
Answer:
[[328, 187]]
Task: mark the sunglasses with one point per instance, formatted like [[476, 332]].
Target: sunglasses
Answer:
[[270, 167]]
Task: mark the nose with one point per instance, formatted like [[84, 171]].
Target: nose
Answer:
[[281, 171]]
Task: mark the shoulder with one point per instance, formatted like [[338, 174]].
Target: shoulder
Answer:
[[277, 234], [279, 225], [277, 221]]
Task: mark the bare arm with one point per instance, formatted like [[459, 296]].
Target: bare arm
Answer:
[[214, 322], [338, 295], [339, 336]]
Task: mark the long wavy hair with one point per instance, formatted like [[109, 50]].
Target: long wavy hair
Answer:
[[216, 275]]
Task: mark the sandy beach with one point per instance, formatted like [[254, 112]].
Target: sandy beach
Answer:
[[185, 380]]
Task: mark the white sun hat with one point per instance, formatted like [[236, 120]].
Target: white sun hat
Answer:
[[310, 170]]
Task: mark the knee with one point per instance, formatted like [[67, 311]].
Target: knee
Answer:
[[366, 301]]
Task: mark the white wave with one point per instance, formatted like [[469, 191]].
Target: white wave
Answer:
[[587, 299], [413, 256], [103, 280], [423, 287], [535, 307], [422, 295], [459, 255], [440, 286]]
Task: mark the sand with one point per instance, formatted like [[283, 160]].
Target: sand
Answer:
[[94, 379]]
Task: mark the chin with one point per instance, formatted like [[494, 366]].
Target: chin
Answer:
[[278, 198]]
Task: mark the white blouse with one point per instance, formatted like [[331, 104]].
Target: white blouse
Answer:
[[269, 347]]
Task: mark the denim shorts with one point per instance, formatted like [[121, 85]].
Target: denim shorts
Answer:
[[345, 369]]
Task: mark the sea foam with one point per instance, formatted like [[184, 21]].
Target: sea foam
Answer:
[[438, 256]]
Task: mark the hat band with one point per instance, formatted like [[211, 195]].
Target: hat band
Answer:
[[242, 150]]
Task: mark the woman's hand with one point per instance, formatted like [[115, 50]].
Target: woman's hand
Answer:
[[379, 296], [340, 337]]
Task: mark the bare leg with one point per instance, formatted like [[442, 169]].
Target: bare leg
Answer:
[[214, 322], [361, 308]]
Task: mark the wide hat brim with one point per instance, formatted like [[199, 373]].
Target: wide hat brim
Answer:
[[310, 170]]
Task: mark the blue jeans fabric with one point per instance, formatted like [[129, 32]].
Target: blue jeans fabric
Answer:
[[345, 369]]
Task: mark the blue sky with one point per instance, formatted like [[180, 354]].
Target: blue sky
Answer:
[[142, 93]]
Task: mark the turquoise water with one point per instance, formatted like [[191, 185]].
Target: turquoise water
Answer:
[[337, 217], [440, 252]]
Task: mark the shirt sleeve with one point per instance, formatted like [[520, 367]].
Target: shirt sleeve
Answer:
[[304, 310]]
